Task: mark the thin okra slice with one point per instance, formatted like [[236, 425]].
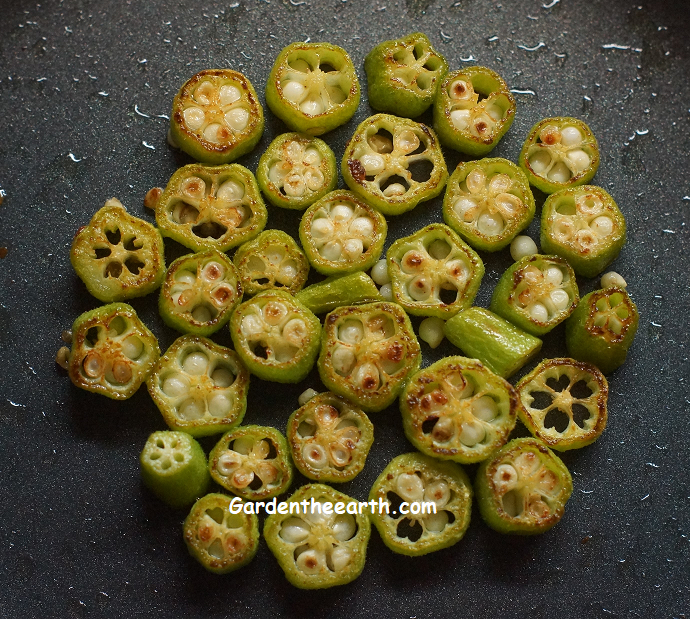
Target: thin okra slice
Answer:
[[523, 488], [353, 289], [434, 272], [403, 75], [200, 387], [216, 207], [583, 225], [430, 503], [563, 403], [313, 87], [118, 256], [473, 110], [394, 163], [216, 116]]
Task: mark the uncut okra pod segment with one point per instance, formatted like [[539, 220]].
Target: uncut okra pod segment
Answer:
[[352, 289]]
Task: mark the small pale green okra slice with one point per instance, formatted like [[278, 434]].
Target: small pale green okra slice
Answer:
[[352, 289]]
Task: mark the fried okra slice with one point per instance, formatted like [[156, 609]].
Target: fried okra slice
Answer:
[[352, 289], [457, 409], [216, 207], [523, 488], [113, 352], [473, 110], [216, 117], [313, 87], [118, 256], [434, 272], [536, 293], [200, 387], [602, 328], [322, 540], [583, 225], [430, 503], [367, 353], [276, 336], [329, 439], [297, 170], [403, 75], [342, 234], [488, 203], [218, 536], [271, 261], [394, 163]]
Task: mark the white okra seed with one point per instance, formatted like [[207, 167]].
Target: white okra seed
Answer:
[[307, 395], [612, 279], [387, 292], [379, 273], [522, 246], [431, 331]]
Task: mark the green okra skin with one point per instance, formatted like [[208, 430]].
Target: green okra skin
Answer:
[[416, 478], [499, 345], [403, 75], [602, 328], [313, 87], [173, 466], [353, 289], [583, 225], [522, 488], [216, 117], [473, 110], [118, 256], [297, 170]]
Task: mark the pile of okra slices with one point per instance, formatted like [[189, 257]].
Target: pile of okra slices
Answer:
[[354, 324]]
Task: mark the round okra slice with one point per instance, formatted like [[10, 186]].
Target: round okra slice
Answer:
[[113, 352], [559, 153], [367, 353], [216, 207], [322, 545], [352, 289], [329, 439], [602, 328], [313, 87], [297, 170], [583, 225], [342, 234], [200, 387], [403, 75], [199, 293], [271, 261], [430, 503], [216, 116], [473, 110], [118, 256], [174, 468], [394, 164], [563, 403], [488, 203], [536, 293], [523, 488], [219, 537], [276, 336], [457, 409]]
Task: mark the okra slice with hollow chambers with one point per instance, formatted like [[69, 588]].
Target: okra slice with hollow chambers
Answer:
[[488, 203], [585, 226], [206, 207], [297, 170], [536, 293], [313, 87], [352, 289], [563, 403], [216, 116], [434, 272], [113, 352], [523, 488], [403, 75], [559, 153], [341, 233], [394, 164], [430, 503], [118, 256], [200, 387], [473, 110], [271, 261], [367, 353]]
